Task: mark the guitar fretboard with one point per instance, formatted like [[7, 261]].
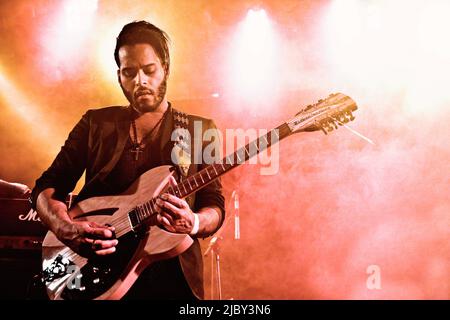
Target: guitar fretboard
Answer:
[[208, 174]]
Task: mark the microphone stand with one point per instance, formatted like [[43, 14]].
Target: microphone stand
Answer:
[[214, 247]]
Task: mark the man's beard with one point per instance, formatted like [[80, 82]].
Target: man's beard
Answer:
[[144, 106]]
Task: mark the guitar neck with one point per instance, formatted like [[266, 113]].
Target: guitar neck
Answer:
[[208, 174], [326, 114]]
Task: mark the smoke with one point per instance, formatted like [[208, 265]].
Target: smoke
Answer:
[[338, 204]]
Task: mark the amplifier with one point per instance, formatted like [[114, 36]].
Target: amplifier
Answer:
[[21, 236], [20, 227]]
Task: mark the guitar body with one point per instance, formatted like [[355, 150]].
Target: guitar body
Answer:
[[70, 276]]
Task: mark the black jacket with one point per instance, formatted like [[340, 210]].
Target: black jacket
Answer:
[[96, 144]]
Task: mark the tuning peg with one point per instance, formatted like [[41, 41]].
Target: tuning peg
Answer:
[[349, 114], [341, 118], [322, 128], [333, 123], [326, 125], [330, 126]]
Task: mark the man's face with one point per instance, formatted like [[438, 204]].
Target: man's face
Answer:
[[142, 77]]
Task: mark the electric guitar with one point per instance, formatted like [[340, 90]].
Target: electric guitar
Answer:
[[70, 276]]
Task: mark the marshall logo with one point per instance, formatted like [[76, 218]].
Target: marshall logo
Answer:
[[30, 216]]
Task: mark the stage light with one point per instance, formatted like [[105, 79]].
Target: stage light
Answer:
[[64, 36], [391, 46], [433, 28], [253, 57], [21, 105], [105, 50]]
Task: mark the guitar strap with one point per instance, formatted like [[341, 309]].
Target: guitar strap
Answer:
[[182, 143]]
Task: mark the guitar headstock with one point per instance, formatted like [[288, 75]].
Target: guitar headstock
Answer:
[[324, 115]]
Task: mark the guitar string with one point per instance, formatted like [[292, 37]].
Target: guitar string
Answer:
[[122, 223]]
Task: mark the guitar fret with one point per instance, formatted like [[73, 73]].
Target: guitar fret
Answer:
[[179, 191], [136, 214], [246, 151], [275, 131], [267, 142], [193, 177], [152, 208], [190, 186], [139, 211], [146, 212], [143, 212]]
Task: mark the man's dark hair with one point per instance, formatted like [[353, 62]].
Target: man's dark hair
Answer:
[[144, 32]]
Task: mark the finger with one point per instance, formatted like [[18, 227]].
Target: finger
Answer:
[[168, 217], [104, 244], [100, 232], [180, 203], [105, 251], [88, 240], [94, 224], [164, 222], [168, 207]]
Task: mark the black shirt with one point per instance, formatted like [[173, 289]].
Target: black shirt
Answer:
[[163, 279]]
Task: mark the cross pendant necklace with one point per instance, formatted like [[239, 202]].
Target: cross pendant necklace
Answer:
[[136, 150], [137, 147]]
